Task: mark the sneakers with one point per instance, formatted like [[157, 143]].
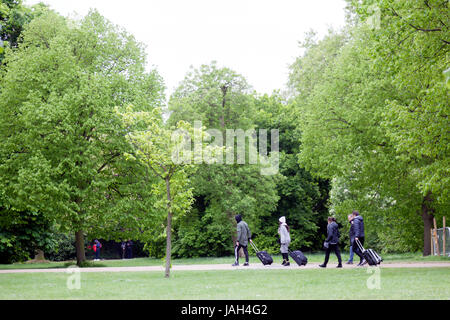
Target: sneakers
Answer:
[[362, 263], [322, 265], [287, 264], [236, 264], [339, 266]]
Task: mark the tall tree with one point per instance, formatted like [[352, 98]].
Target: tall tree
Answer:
[[302, 198], [221, 99], [366, 112], [60, 137]]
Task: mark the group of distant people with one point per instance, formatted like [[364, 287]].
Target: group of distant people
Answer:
[[126, 249], [356, 233]]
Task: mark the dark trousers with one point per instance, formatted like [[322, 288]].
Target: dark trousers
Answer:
[[335, 248], [97, 254], [129, 253], [236, 252], [357, 250]]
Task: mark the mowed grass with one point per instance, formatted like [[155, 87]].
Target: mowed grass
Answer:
[[138, 262], [246, 284]]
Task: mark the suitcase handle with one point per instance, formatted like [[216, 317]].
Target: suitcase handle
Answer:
[[254, 246], [359, 245]]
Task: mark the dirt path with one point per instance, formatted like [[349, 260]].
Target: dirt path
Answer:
[[210, 267]]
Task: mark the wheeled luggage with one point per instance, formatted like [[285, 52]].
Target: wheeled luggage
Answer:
[[370, 255], [299, 257], [265, 258]]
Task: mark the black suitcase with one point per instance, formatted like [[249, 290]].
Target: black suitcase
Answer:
[[265, 258], [370, 255], [299, 257]]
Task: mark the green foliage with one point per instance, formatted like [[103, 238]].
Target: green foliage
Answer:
[[302, 198], [64, 248], [62, 148], [221, 99], [14, 16], [22, 233], [373, 109]]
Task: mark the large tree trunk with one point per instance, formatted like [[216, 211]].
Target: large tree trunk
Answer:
[[169, 229], [427, 217], [79, 245]]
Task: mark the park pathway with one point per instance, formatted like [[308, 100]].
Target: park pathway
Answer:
[[212, 267]]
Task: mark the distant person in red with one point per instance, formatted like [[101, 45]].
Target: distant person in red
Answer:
[[97, 247]]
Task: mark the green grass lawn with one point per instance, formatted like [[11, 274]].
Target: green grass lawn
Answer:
[[312, 257], [270, 284]]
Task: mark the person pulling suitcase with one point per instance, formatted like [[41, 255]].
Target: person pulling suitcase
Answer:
[[285, 240], [243, 238]]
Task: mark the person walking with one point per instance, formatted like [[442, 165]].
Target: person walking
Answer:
[[129, 253], [243, 237], [351, 234], [285, 240], [123, 247], [332, 242], [358, 224], [97, 246]]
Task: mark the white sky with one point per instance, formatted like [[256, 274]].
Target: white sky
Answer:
[[256, 38]]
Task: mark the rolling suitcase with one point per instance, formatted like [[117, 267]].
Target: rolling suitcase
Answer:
[[265, 258], [370, 255], [299, 257]]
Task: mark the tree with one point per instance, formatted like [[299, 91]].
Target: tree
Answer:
[[221, 99], [154, 147], [302, 198], [411, 47], [366, 112], [61, 144]]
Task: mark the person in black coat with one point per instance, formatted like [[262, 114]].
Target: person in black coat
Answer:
[[129, 249], [358, 226], [333, 236]]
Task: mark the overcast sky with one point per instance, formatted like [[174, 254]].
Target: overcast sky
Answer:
[[256, 38]]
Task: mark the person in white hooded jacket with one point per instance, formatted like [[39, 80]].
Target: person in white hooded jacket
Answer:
[[285, 240]]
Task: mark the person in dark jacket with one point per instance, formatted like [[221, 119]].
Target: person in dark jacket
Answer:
[[333, 236], [129, 249], [97, 246], [358, 226], [243, 238], [351, 234]]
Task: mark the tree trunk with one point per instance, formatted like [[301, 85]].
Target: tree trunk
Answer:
[[79, 245], [222, 116], [169, 229], [427, 217], [39, 256]]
